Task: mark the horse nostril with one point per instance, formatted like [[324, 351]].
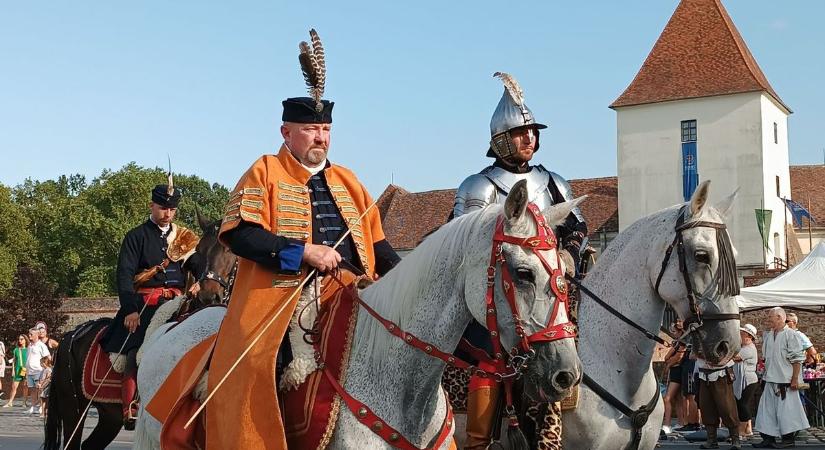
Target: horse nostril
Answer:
[[564, 380], [722, 349]]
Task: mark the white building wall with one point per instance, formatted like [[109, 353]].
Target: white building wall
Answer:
[[730, 135], [775, 164]]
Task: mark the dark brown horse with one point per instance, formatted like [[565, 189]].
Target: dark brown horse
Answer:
[[68, 405]]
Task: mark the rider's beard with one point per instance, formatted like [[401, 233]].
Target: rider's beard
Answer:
[[316, 155]]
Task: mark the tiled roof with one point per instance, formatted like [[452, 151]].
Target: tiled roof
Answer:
[[601, 208], [700, 53], [807, 186], [408, 217]]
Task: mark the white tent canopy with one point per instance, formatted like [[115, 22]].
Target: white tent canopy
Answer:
[[803, 286]]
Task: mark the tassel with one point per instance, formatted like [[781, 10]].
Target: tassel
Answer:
[[515, 437]]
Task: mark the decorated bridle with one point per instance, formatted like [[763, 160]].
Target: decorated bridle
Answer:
[[725, 275], [508, 365]]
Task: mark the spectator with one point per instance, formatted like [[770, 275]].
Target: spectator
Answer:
[[37, 351], [2, 366], [18, 374], [716, 401], [690, 387], [746, 381], [780, 414], [807, 345], [44, 384], [51, 344], [673, 367]]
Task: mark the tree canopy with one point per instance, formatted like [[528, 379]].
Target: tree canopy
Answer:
[[70, 229]]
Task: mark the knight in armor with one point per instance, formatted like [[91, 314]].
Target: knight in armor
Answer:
[[283, 218], [152, 267], [514, 140]]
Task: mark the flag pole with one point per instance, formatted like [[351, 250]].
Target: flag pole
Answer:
[[785, 226], [764, 256], [810, 237]]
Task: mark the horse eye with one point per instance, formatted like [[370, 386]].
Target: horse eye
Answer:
[[702, 256], [525, 275]]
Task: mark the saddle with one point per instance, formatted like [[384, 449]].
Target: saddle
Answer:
[[100, 381]]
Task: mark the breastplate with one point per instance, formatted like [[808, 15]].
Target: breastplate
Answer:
[[537, 181]]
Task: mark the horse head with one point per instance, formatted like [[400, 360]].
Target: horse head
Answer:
[[529, 274], [220, 263], [699, 280]]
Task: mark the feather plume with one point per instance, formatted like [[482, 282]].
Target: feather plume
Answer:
[[318, 51], [170, 185], [314, 68], [511, 86]]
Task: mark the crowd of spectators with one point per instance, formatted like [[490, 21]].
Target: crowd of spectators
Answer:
[[30, 362]]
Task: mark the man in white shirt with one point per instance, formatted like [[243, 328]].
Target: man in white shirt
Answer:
[[37, 350], [780, 413]]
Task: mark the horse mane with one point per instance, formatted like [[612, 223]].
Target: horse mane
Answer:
[[394, 296]]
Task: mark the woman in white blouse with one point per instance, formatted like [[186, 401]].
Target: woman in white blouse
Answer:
[[746, 383]]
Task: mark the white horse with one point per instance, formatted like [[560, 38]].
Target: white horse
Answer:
[[616, 356], [433, 294]]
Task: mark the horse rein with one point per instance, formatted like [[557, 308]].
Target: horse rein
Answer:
[[640, 416], [509, 366]]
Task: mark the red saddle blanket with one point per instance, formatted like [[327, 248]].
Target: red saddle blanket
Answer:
[[100, 381], [311, 411]]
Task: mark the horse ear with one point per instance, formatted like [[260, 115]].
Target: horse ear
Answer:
[[725, 206], [699, 198], [557, 214], [204, 224], [516, 202]]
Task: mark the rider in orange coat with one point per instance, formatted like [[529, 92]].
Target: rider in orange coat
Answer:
[[282, 219]]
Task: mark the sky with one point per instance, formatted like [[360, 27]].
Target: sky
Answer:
[[87, 86]]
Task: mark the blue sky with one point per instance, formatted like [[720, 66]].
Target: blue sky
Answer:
[[91, 85]]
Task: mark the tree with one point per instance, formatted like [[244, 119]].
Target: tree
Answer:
[[30, 299], [16, 241], [78, 226]]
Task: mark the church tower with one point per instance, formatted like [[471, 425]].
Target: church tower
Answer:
[[700, 108]]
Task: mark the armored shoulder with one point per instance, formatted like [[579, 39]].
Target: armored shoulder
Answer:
[[475, 192], [564, 188]]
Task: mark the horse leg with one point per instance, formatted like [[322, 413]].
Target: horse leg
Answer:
[[108, 426], [73, 420]]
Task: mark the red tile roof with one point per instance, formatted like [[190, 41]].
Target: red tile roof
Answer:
[[408, 217], [807, 186], [700, 53]]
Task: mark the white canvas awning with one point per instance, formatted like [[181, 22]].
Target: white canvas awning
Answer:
[[803, 286]]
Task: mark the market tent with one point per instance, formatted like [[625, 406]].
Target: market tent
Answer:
[[803, 286]]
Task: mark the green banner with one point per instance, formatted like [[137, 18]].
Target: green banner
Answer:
[[763, 221]]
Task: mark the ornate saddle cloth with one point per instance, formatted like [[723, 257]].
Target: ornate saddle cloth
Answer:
[[311, 411], [99, 379]]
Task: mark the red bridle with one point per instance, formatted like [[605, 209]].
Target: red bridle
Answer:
[[507, 366], [544, 240]]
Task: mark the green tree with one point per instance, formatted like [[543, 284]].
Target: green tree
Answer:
[[79, 226], [17, 244], [30, 299]]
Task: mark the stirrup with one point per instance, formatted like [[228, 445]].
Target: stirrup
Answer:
[[132, 410]]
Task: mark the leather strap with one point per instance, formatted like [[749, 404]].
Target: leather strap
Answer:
[[390, 435], [638, 418]]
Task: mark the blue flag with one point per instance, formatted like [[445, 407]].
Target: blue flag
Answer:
[[797, 211], [690, 169]]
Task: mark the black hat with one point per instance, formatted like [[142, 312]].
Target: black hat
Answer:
[[166, 196], [302, 110]]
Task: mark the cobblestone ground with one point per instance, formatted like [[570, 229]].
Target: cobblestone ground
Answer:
[[813, 438], [21, 431]]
